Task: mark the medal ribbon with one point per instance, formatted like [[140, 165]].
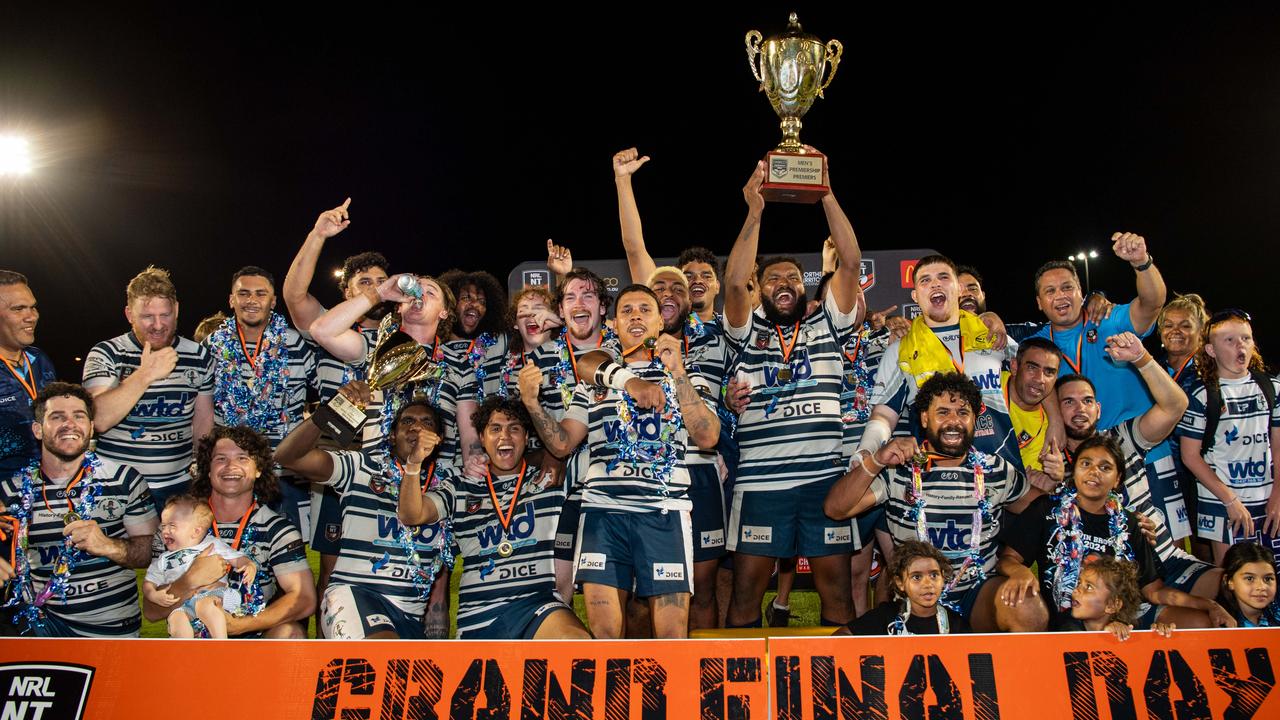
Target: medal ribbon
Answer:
[[253, 359], [29, 382], [573, 358], [74, 480], [505, 518], [782, 343], [1075, 366], [244, 522], [1184, 366]]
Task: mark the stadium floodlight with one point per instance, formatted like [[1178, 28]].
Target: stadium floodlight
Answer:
[[15, 155]]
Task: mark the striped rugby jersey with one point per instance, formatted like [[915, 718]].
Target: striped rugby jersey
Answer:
[[488, 579], [949, 506], [102, 597], [272, 542], [156, 437], [993, 430], [492, 362], [547, 357], [369, 555], [631, 485], [18, 447], [1241, 453], [292, 402], [850, 397], [706, 357], [790, 433]]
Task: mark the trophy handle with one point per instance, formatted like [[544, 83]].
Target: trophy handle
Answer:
[[834, 51], [753, 53]]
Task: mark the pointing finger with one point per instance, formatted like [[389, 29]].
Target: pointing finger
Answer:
[[345, 204]]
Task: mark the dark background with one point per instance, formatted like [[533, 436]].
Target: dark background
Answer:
[[202, 140]]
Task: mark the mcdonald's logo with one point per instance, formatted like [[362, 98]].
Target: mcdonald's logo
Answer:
[[907, 271]]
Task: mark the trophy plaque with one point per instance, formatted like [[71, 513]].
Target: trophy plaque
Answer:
[[793, 68]]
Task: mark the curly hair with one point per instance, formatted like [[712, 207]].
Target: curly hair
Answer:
[[768, 262], [60, 389], [153, 282], [510, 407], [702, 255], [251, 441], [910, 551], [1207, 367], [494, 321], [1121, 578], [952, 383], [359, 263]]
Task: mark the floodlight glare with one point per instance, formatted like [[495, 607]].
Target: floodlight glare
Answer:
[[15, 155]]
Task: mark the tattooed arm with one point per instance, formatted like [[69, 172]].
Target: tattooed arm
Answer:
[[701, 421]]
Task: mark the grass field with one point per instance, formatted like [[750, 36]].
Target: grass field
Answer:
[[804, 605]]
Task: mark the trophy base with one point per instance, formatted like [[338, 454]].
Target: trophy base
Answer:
[[340, 419], [794, 178]]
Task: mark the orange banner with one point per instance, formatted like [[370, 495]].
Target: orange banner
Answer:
[[1196, 674], [1076, 676]]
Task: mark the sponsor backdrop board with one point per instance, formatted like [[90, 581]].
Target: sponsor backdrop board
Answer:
[[887, 275], [1196, 674]]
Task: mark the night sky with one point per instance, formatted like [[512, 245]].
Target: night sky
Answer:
[[202, 140]]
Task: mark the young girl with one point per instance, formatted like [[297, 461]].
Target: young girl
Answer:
[[1107, 598], [1227, 434], [1249, 586], [1062, 533], [920, 572]]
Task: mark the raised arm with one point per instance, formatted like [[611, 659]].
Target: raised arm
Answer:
[[1171, 402], [334, 330], [742, 258], [298, 452], [641, 264], [701, 422], [1143, 310], [844, 284], [303, 307]]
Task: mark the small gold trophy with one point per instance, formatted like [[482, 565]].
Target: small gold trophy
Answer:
[[792, 70], [395, 360]]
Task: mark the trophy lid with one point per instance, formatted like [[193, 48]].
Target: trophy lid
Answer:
[[795, 31]]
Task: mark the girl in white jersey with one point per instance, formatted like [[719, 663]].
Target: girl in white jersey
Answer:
[[1232, 462]]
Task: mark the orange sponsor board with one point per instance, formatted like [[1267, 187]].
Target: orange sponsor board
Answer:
[[1077, 676], [387, 680]]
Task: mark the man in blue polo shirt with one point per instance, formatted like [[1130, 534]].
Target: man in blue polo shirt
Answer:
[[1083, 340], [26, 370]]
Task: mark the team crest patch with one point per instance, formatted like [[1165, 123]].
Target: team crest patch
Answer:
[[332, 532], [378, 484], [1024, 437], [1091, 335], [473, 506], [762, 341], [601, 393]]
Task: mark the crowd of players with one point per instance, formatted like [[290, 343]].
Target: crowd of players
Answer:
[[651, 459]]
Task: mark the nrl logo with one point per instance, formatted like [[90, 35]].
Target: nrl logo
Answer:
[[45, 690]]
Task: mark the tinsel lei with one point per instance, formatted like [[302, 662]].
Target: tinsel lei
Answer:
[[972, 564], [660, 454], [1068, 553], [259, 401], [24, 596]]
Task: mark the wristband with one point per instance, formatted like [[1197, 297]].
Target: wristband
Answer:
[[612, 375], [1146, 265]]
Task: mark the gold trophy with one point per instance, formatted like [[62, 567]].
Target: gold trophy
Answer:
[[792, 70], [395, 360]]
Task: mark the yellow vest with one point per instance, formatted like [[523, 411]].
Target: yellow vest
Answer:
[[1029, 427]]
